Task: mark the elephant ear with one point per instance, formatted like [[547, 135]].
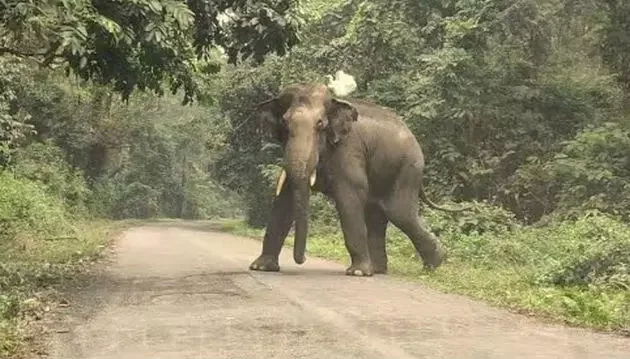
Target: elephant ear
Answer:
[[270, 113], [341, 115]]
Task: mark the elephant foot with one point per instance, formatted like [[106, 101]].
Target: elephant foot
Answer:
[[360, 270], [380, 269], [379, 264], [265, 263], [434, 260]]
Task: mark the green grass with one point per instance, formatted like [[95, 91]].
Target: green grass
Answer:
[[43, 242], [511, 269], [30, 268]]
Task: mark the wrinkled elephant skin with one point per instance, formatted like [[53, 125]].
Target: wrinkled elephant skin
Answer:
[[362, 156]]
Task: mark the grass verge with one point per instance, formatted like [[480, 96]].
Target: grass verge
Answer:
[[517, 270], [32, 266]]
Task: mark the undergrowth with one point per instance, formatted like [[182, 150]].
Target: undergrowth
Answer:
[[41, 245], [30, 269]]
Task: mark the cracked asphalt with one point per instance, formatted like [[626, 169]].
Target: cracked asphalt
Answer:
[[179, 290]]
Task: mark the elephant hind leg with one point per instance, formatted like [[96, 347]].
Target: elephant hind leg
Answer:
[[402, 208], [377, 227], [426, 244]]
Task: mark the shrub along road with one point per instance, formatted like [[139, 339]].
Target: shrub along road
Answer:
[[179, 290]]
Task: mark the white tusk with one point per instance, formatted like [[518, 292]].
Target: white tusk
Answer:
[[281, 179], [313, 178]]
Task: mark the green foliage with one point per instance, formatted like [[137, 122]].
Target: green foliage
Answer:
[[29, 268], [595, 167], [206, 199], [481, 218], [8, 331], [9, 307], [143, 44], [595, 252], [241, 166], [592, 250], [260, 194], [136, 200], [44, 163], [26, 207], [13, 126], [616, 38], [591, 172], [323, 215], [148, 157]]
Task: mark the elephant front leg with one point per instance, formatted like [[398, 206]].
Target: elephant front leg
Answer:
[[350, 205], [276, 232]]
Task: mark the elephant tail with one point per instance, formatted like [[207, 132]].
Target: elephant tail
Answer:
[[431, 204]]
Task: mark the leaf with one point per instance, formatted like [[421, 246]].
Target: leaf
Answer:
[[110, 26]]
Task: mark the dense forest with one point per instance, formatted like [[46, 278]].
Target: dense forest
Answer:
[[143, 109]]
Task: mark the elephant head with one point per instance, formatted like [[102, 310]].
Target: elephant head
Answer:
[[307, 121]]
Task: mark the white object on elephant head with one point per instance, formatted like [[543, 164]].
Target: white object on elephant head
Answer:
[[342, 84]]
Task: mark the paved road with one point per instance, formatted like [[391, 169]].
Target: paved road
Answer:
[[177, 291]]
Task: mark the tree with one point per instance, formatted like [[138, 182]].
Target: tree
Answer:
[[616, 42], [143, 44]]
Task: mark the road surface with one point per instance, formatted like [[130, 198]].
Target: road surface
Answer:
[[181, 291]]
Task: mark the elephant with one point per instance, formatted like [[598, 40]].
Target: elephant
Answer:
[[362, 156]]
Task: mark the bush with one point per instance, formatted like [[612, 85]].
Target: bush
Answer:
[[199, 198], [481, 218], [591, 251], [25, 206], [205, 199], [592, 171], [9, 307], [112, 198], [594, 250], [136, 200], [259, 194], [104, 196], [323, 215], [45, 163]]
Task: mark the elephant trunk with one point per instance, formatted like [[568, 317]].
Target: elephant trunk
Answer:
[[301, 198], [300, 162]]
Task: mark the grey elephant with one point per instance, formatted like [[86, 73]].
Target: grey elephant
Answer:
[[362, 156]]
